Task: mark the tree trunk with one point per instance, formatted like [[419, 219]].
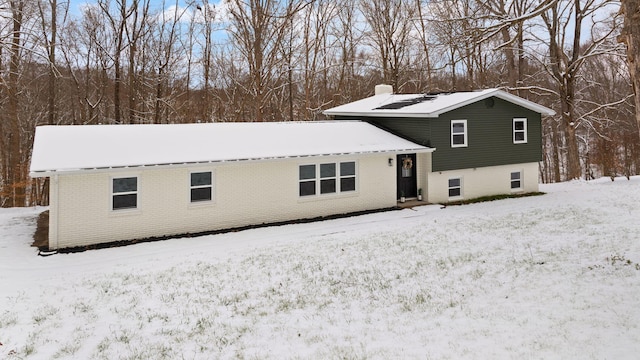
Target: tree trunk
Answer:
[[573, 170], [631, 37], [15, 186]]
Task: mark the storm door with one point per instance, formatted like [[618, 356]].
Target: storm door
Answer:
[[407, 184]]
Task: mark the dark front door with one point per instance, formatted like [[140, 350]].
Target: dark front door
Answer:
[[407, 185]]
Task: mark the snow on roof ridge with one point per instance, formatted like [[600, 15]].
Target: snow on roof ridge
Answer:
[[444, 102]]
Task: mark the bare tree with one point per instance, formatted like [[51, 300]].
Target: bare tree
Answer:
[[13, 190], [390, 23], [316, 21], [565, 62], [258, 27], [630, 36], [50, 38]]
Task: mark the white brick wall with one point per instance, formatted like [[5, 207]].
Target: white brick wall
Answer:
[[483, 181], [245, 193]]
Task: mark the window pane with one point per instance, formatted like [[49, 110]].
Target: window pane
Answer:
[[201, 178], [515, 184], [327, 170], [201, 194], [518, 125], [347, 168], [327, 186], [519, 136], [307, 172], [125, 185], [458, 128], [454, 183], [348, 184], [307, 188], [458, 139], [125, 201], [515, 175], [454, 192]]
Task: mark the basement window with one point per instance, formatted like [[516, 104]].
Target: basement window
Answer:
[[201, 186], [455, 188], [124, 193], [516, 181]]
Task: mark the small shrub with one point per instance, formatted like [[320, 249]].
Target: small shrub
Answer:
[[493, 198]]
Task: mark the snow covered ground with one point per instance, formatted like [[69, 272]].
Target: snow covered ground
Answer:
[[548, 277]]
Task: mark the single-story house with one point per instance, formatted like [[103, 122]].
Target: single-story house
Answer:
[[488, 142], [112, 183]]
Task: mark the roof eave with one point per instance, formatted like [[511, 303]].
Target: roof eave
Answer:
[[50, 172], [501, 94], [377, 113], [524, 103]]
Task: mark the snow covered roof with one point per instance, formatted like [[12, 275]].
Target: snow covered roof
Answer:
[[420, 105], [90, 147]]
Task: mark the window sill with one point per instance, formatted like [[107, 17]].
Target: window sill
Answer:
[[201, 204], [333, 196], [125, 212]]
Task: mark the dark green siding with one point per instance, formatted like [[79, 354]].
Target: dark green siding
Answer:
[[490, 135]]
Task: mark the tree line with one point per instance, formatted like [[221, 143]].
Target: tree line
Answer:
[[139, 62]]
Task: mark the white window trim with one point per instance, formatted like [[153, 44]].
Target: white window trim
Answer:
[[458, 197], [335, 178], [318, 179], [523, 131], [354, 176], [466, 131], [315, 179], [518, 189], [213, 189], [137, 192]]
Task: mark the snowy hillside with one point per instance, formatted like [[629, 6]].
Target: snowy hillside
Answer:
[[548, 277]]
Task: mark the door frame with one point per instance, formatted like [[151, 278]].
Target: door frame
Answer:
[[407, 175]]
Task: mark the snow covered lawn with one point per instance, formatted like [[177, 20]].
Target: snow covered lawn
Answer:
[[548, 277]]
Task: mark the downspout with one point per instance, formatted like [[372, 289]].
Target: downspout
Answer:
[[54, 212]]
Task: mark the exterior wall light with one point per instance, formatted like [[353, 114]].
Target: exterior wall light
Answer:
[[390, 161]]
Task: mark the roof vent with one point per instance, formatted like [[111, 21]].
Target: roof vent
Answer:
[[383, 89]]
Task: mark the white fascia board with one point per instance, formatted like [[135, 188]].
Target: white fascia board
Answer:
[[524, 103], [481, 95], [379, 113]]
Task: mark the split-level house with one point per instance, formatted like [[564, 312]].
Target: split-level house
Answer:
[[112, 183], [486, 142]]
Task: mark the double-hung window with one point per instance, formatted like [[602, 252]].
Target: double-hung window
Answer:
[[455, 187], [519, 131], [201, 186], [347, 176], [327, 178], [307, 180], [516, 180], [124, 193], [458, 133]]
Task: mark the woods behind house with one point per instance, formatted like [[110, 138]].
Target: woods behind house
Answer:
[[141, 61]]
